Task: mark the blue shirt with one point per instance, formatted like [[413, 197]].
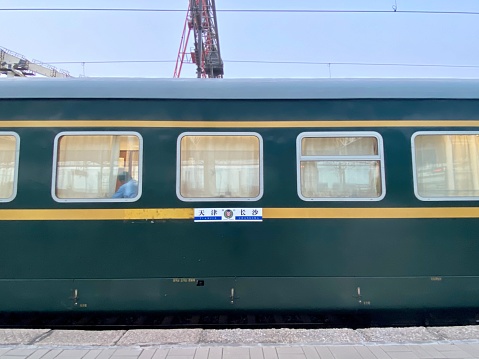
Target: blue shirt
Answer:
[[127, 190]]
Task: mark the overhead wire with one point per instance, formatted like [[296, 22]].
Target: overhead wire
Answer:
[[255, 11], [395, 10], [273, 62]]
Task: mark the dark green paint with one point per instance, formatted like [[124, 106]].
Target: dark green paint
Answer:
[[296, 264]]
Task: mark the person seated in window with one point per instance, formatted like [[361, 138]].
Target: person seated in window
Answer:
[[128, 186]]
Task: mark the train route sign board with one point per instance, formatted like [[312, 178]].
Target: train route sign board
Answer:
[[228, 214]]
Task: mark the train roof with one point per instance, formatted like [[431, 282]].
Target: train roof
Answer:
[[148, 88]]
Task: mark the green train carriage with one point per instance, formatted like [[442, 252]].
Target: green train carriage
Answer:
[[253, 195]]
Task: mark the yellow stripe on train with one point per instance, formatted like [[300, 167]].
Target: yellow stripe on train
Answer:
[[268, 213], [237, 124]]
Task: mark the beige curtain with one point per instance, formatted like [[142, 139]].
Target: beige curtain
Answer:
[[339, 146], [220, 166], [337, 177], [8, 148], [447, 165], [87, 166]]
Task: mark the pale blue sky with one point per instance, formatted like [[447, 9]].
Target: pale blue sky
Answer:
[[310, 37]]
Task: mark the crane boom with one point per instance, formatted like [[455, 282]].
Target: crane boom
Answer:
[[201, 19], [16, 65]]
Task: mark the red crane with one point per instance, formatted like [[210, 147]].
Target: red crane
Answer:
[[201, 19]]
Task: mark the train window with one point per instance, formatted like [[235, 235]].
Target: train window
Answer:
[[220, 166], [446, 165], [9, 152], [340, 166], [97, 167]]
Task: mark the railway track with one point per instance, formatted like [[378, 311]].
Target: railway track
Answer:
[[126, 320]]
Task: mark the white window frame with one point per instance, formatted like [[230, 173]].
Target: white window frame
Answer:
[[218, 199], [97, 133], [414, 167], [379, 157], [17, 158]]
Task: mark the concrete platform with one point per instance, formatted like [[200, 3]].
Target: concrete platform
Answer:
[[373, 343]]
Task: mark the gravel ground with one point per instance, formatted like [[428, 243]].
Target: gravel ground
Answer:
[[210, 337]]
